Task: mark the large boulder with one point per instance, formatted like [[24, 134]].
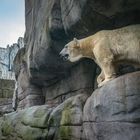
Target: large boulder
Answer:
[[113, 111], [44, 123], [28, 124]]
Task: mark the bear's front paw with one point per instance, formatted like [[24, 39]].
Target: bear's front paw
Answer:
[[101, 84], [105, 81]]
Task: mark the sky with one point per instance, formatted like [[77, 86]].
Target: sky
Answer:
[[12, 21]]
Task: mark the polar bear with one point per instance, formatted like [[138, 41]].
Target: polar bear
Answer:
[[108, 48]]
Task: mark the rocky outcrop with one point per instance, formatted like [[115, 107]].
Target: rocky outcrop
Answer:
[[110, 113], [7, 56], [55, 99], [29, 124], [7, 76], [42, 122], [26, 94], [50, 24]]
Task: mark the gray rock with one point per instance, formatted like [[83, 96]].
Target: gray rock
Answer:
[[42, 122], [112, 111], [65, 121], [28, 124], [55, 22], [50, 24], [7, 56], [27, 94]]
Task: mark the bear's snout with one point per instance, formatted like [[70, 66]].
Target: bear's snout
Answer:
[[64, 56]]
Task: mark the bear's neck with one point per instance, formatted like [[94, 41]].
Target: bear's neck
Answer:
[[86, 48]]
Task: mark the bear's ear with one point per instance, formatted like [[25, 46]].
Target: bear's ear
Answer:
[[76, 41]]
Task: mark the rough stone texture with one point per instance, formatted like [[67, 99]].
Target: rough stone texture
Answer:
[[44, 123], [66, 119], [7, 76], [7, 56], [55, 22], [79, 81], [29, 124], [52, 23], [26, 94], [6, 95], [112, 112]]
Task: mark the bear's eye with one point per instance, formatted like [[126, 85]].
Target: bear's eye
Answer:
[[66, 46]]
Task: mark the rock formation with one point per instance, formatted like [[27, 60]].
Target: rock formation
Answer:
[[51, 24], [55, 99], [7, 56], [7, 76], [110, 113]]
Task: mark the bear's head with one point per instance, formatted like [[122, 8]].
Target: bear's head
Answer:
[[72, 51]]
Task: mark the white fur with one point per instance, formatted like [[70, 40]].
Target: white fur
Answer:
[[74, 59]]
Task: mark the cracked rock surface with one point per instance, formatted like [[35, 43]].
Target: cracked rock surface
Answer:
[[58, 100], [110, 113], [42, 122], [42, 76]]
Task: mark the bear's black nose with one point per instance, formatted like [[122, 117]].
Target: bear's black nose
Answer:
[[61, 54]]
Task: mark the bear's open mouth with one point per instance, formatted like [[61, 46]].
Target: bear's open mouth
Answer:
[[65, 57]]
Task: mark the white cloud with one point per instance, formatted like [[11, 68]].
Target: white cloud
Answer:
[[10, 32]]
